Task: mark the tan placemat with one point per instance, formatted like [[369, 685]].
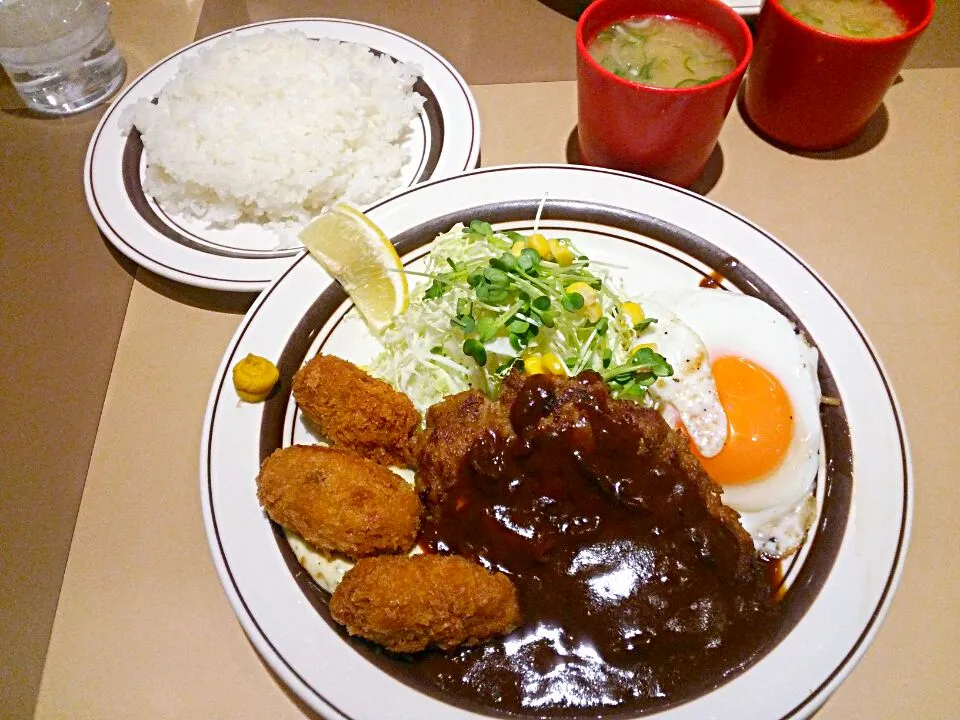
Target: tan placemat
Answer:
[[143, 625], [64, 296]]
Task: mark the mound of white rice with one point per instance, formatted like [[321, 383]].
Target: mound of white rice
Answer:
[[276, 127]]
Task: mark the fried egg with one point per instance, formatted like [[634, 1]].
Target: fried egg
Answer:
[[765, 379], [691, 391]]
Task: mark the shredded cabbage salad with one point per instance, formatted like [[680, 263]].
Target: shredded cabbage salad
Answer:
[[491, 301]]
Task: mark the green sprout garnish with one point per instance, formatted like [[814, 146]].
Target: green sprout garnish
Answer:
[[474, 348], [572, 301], [513, 297], [633, 378]]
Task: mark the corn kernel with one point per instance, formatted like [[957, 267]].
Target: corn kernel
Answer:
[[533, 365], [554, 365], [518, 247], [561, 253], [588, 294], [593, 312], [539, 243], [637, 348], [633, 311]]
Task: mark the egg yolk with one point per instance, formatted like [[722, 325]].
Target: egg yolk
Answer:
[[759, 422]]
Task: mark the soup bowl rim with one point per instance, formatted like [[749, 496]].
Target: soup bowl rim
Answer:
[[913, 29], [732, 76]]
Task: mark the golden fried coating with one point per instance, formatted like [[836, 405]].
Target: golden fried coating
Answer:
[[339, 501], [453, 425], [409, 603], [355, 410]]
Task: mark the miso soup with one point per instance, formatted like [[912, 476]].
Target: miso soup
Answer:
[[853, 18], [662, 51]]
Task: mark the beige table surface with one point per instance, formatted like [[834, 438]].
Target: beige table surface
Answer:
[[142, 628]]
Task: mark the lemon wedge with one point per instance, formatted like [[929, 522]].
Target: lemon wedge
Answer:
[[361, 258]]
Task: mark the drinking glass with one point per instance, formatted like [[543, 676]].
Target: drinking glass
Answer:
[[59, 54]]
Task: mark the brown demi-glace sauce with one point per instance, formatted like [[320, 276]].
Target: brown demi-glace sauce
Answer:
[[633, 595], [712, 281]]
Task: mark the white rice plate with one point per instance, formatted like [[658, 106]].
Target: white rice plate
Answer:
[[275, 127]]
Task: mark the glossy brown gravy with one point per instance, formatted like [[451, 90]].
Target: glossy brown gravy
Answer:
[[712, 281], [634, 595]]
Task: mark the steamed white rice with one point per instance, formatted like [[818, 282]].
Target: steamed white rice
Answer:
[[275, 127]]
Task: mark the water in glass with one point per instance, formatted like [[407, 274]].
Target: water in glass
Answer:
[[59, 54]]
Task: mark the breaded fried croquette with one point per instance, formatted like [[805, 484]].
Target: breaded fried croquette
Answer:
[[336, 500], [355, 410], [410, 603]]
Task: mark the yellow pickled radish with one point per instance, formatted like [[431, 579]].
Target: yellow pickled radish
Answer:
[[254, 378]]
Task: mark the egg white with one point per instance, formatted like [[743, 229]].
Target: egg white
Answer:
[[691, 390]]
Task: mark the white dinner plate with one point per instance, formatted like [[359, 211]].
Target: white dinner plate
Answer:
[[444, 140], [839, 586]]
